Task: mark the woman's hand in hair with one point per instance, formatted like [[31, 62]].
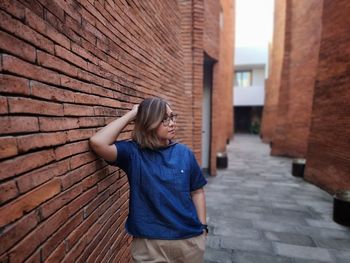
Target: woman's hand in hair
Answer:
[[134, 111], [102, 142]]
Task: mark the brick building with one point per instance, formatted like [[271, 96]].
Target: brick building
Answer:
[[69, 68], [307, 103]]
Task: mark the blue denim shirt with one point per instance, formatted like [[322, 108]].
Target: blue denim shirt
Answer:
[[160, 204]]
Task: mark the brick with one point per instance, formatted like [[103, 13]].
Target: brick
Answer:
[[94, 178], [75, 84], [69, 56], [70, 7], [26, 105], [40, 140], [39, 25], [17, 231], [29, 201], [80, 51], [8, 147], [51, 93], [75, 235], [14, 85], [24, 32], [80, 173], [39, 176], [76, 27], [71, 149], [18, 124], [81, 159], [55, 63], [104, 111], [3, 105], [106, 182], [82, 200], [76, 251], [8, 191], [17, 47], [32, 241], [13, 8], [87, 99], [59, 201], [77, 110], [118, 184], [54, 8], [36, 7], [27, 162], [91, 207], [22, 68], [60, 235], [57, 124], [91, 121], [34, 258], [81, 134], [58, 254]]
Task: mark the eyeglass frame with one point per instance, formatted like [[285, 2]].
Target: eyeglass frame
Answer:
[[166, 121]]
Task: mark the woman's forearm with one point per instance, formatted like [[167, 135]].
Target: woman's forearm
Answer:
[[102, 141], [108, 134], [198, 198]]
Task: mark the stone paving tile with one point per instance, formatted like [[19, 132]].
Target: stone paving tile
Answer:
[[303, 252], [290, 238], [258, 212], [340, 244], [341, 256], [217, 255], [246, 244], [247, 257]]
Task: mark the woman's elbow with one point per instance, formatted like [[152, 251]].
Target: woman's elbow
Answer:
[[94, 143]]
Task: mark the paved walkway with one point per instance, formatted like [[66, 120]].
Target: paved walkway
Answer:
[[258, 212]]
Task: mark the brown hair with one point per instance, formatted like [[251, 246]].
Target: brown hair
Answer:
[[150, 114]]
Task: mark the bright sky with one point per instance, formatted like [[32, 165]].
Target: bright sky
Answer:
[[254, 22]]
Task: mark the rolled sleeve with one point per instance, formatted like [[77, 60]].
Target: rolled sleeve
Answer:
[[197, 179], [124, 151]]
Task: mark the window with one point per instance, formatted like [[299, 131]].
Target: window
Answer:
[[243, 78]]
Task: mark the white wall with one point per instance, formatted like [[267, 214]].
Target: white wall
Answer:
[[254, 59], [251, 55], [254, 95]]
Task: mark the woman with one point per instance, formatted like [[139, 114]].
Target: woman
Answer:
[[167, 215]]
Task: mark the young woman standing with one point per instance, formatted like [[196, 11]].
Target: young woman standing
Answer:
[[167, 214]]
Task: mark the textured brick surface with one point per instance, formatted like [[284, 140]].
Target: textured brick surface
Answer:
[[328, 155], [69, 68], [274, 77], [301, 50], [222, 83]]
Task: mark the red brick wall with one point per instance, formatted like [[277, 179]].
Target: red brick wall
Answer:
[[274, 79], [223, 84], [197, 76], [211, 33], [301, 49], [67, 69], [328, 155]]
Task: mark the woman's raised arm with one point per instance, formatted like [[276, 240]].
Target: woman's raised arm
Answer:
[[103, 141]]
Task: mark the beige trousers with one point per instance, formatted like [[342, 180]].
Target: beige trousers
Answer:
[[189, 250]]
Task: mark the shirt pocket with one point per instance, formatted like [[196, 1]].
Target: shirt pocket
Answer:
[[182, 180]]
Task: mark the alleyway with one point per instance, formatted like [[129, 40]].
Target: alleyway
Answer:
[[258, 212]]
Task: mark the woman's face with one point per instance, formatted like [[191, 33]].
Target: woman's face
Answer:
[[166, 129]]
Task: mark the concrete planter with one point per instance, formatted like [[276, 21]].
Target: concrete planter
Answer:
[[341, 208], [221, 160], [298, 167]]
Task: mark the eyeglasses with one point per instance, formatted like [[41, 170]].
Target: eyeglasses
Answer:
[[166, 120]]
